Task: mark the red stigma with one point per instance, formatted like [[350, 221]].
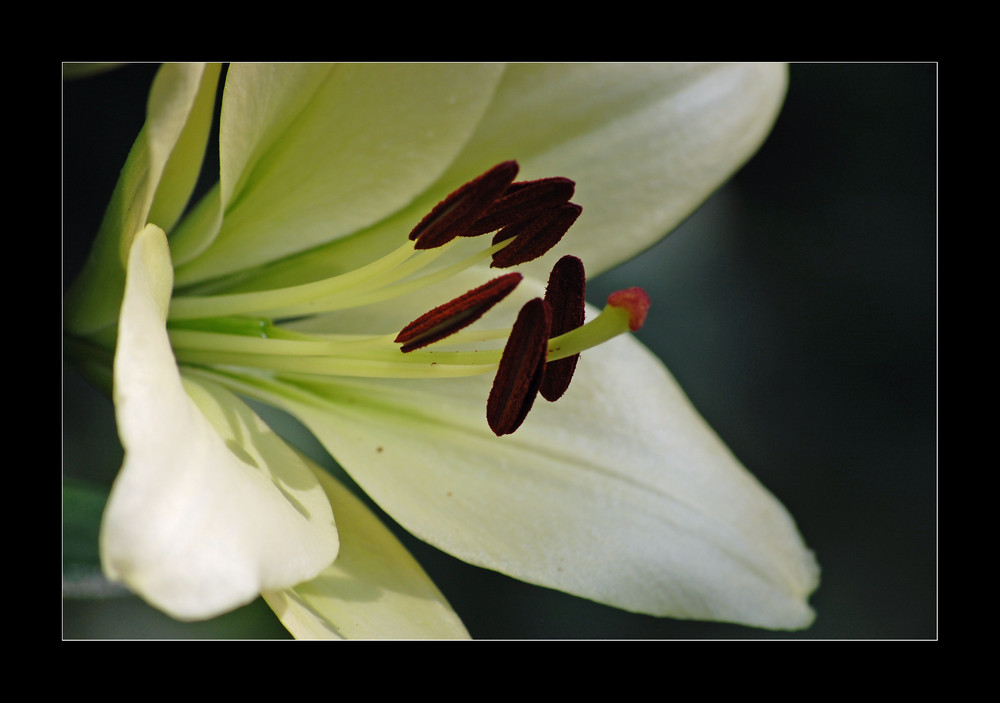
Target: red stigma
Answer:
[[635, 301]]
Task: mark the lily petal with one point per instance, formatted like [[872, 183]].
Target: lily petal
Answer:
[[168, 153], [311, 153], [646, 144], [619, 492], [210, 506], [375, 589]]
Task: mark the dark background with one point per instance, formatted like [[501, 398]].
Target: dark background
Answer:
[[797, 307]]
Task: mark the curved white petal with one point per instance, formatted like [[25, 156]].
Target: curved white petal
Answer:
[[619, 492], [180, 113], [210, 506], [311, 153], [375, 589], [155, 184], [645, 143]]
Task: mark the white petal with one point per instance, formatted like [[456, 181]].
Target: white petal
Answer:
[[314, 152], [156, 181], [210, 507], [375, 589], [180, 112], [645, 143], [619, 492]]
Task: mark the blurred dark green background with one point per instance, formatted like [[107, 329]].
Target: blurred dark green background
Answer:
[[797, 307]]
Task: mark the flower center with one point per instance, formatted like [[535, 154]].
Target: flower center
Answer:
[[541, 349]]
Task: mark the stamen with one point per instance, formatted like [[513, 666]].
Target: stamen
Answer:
[[461, 209], [542, 348], [564, 295], [534, 237], [523, 201], [522, 366], [457, 314]]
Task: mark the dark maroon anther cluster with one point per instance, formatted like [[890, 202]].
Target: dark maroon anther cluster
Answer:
[[460, 211], [535, 236], [524, 200], [534, 215], [524, 368]]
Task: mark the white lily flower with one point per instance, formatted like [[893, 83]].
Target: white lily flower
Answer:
[[294, 282]]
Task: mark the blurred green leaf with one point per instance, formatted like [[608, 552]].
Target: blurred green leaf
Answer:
[[83, 505]]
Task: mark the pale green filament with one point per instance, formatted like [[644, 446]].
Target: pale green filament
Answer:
[[396, 290], [278, 350], [220, 330], [380, 280]]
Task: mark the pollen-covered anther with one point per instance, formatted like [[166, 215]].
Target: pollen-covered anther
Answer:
[[454, 215], [635, 301], [522, 366], [533, 238], [524, 200], [565, 295], [456, 314]]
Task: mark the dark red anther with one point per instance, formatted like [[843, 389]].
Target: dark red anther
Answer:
[[461, 312], [565, 297], [521, 369], [522, 201], [534, 237], [455, 214]]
